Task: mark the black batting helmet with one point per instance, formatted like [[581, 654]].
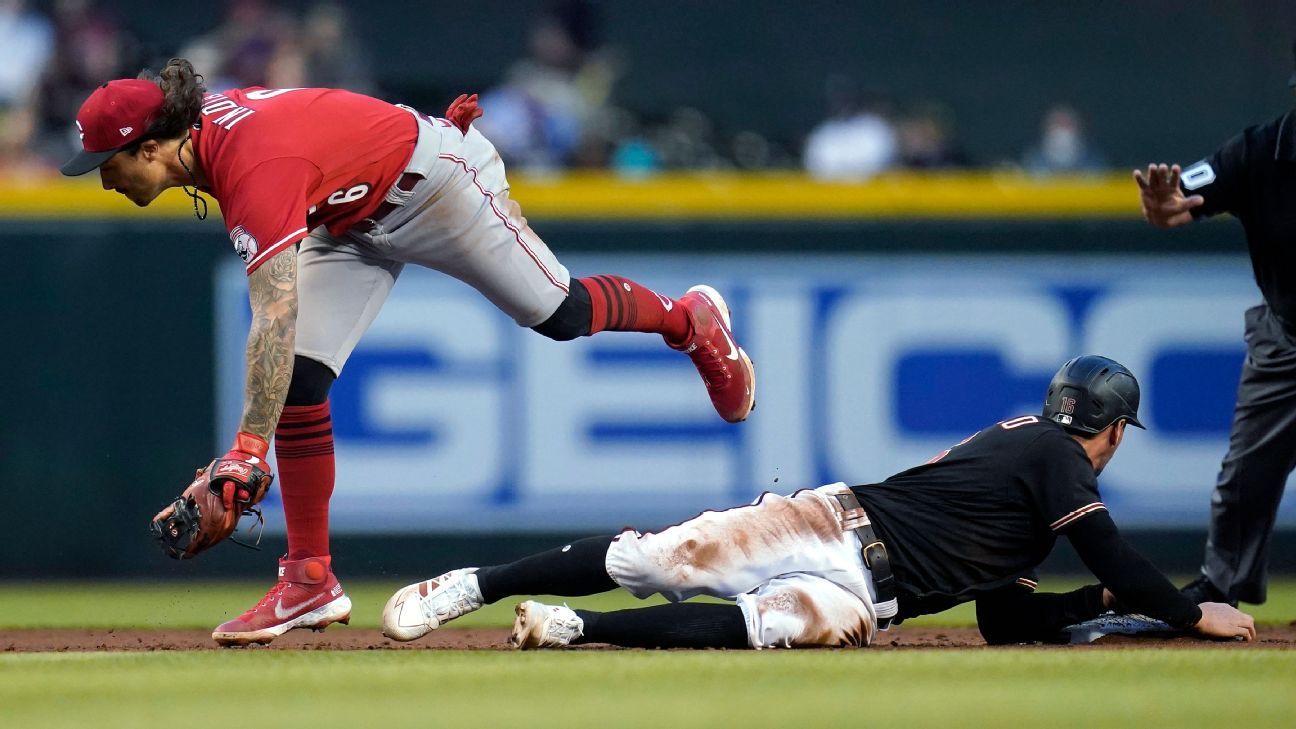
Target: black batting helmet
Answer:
[[1090, 393]]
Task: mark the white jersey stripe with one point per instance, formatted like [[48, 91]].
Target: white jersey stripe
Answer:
[[284, 242], [1082, 511]]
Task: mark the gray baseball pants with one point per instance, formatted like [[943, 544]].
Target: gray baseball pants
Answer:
[[458, 220], [1261, 455]]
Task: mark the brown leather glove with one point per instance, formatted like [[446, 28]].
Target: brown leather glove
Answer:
[[209, 509]]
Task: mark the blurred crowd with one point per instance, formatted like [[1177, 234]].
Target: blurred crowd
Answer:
[[57, 53], [555, 108]]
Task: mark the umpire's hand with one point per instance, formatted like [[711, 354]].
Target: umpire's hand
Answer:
[[1164, 204], [1219, 620]]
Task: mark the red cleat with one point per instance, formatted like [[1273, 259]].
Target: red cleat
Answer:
[[725, 368], [306, 596]]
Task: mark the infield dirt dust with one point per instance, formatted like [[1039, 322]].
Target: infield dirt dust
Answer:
[[1281, 637]]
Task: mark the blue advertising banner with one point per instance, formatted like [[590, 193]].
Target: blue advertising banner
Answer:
[[450, 418]]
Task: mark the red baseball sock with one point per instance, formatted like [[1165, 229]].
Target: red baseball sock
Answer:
[[621, 305], [304, 455]]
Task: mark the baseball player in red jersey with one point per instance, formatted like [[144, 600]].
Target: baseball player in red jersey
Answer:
[[327, 195]]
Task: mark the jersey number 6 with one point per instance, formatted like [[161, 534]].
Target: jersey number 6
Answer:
[[342, 197]]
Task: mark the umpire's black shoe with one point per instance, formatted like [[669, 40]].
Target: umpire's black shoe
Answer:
[[1202, 590]]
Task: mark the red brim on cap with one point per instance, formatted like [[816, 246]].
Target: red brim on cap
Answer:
[[85, 161]]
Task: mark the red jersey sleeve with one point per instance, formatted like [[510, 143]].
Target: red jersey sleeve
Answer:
[[267, 208]]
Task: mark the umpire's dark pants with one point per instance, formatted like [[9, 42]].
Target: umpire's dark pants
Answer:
[[1262, 452]]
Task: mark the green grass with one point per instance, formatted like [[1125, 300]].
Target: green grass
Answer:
[[204, 604], [1058, 688], [1237, 687]]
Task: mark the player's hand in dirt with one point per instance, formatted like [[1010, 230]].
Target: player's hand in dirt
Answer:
[[1220, 620], [463, 111], [1164, 204]]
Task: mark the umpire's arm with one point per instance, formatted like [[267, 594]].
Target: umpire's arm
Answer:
[[1171, 197]]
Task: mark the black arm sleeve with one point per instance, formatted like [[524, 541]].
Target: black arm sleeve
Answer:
[[1222, 178], [1129, 576], [1016, 615]]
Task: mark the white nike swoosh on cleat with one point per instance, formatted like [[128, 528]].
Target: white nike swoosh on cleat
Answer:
[[285, 613], [666, 302], [733, 348]]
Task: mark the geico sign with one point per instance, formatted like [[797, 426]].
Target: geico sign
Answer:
[[865, 367]]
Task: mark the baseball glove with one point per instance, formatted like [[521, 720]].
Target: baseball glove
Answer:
[[209, 510]]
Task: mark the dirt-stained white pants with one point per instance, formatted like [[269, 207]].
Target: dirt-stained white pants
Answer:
[[793, 567], [459, 220]]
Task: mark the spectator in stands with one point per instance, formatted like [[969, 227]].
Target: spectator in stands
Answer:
[[539, 116], [255, 46], [686, 141], [927, 139], [752, 151], [856, 141], [28, 40], [17, 127], [634, 156], [1062, 147], [616, 140], [89, 46], [320, 53], [331, 56]]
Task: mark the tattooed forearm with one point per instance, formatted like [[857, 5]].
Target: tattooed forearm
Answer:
[[272, 291]]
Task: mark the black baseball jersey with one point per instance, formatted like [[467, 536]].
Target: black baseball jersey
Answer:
[[983, 514], [1253, 176]]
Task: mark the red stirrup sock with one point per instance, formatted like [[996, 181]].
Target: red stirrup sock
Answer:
[[304, 455], [621, 305]]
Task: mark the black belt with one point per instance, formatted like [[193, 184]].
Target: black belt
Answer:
[[874, 553]]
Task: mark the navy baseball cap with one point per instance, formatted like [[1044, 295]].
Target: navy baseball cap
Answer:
[[116, 114]]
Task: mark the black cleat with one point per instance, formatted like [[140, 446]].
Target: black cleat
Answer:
[[1203, 590]]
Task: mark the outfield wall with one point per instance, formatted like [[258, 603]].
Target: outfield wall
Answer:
[[113, 383], [450, 418]]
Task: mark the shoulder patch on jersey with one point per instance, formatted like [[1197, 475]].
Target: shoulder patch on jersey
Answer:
[[1199, 175], [244, 244]]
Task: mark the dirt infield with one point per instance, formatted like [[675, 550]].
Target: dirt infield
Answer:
[[344, 638]]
